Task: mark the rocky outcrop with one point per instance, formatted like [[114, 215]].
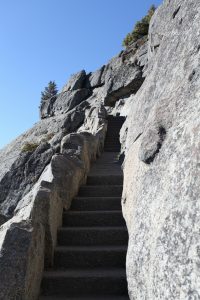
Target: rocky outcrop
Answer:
[[21, 169], [76, 82], [72, 94], [120, 78], [65, 113], [162, 155]]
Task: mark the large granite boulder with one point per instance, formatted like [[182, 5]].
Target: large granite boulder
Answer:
[[124, 76], [76, 82], [95, 78], [68, 100], [73, 93]]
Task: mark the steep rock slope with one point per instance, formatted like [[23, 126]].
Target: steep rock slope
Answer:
[[63, 114], [161, 197]]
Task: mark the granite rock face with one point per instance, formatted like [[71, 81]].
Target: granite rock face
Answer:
[[66, 101], [76, 82], [161, 196], [123, 76]]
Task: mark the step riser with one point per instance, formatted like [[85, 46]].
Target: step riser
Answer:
[[113, 145], [89, 259], [87, 297], [84, 286], [110, 144], [105, 180], [92, 237], [100, 191], [112, 150], [114, 125], [93, 220], [112, 141], [96, 204]]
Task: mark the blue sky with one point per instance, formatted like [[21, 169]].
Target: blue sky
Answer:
[[43, 40]]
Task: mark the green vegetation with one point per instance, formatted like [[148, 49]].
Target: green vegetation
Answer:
[[50, 91], [141, 28], [29, 147]]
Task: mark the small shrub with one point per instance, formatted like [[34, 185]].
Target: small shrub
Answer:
[[29, 147], [141, 28], [47, 137]]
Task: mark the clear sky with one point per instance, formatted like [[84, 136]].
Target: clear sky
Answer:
[[43, 40]]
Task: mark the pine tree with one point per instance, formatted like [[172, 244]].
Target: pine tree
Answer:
[[141, 28], [49, 91]]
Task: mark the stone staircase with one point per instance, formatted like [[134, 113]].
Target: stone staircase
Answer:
[[90, 257]]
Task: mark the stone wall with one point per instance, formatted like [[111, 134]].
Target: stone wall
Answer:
[[28, 239]]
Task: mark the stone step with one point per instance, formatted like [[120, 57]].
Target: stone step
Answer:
[[112, 142], [114, 131], [93, 218], [111, 164], [72, 257], [105, 180], [112, 149], [113, 139], [86, 236], [113, 170], [112, 146], [112, 135], [96, 203], [114, 125], [114, 128], [115, 121], [100, 191], [88, 297], [116, 147], [85, 282]]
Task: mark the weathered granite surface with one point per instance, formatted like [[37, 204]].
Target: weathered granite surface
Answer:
[[20, 170], [161, 196]]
